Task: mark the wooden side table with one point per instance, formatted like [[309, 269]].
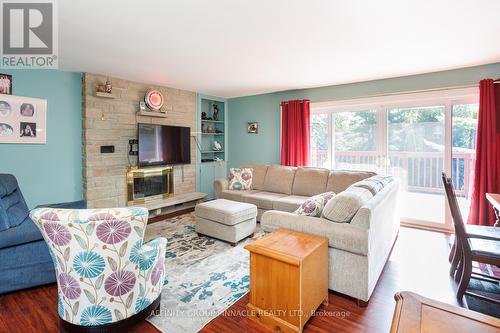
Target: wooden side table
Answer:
[[288, 279], [417, 314]]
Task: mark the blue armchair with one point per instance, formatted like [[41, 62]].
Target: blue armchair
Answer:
[[24, 257]]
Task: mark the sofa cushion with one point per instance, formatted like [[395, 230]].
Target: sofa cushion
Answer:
[[236, 195], [240, 179], [24, 266], [310, 181], [290, 203], [340, 180], [370, 184], [346, 204], [342, 236], [23, 233], [279, 179], [315, 204], [263, 200], [259, 175], [13, 208]]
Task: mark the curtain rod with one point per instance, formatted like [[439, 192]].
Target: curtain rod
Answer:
[[403, 92]]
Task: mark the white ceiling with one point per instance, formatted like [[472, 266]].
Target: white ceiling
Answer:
[[231, 48]]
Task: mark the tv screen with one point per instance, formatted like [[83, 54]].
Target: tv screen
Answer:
[[164, 145]]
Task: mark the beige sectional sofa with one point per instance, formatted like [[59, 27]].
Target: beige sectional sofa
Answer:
[[282, 188], [357, 250]]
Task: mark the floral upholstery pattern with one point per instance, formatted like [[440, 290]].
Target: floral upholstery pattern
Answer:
[[240, 179], [314, 205], [104, 271]]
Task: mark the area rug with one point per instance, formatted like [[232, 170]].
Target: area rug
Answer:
[[489, 289], [204, 276]]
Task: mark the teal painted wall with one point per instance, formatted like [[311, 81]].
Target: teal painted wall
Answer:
[[265, 146], [52, 172]]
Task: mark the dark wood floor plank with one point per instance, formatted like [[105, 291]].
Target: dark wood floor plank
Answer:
[[422, 269]]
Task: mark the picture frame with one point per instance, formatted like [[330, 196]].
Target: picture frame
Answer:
[[5, 84], [252, 127], [23, 120]]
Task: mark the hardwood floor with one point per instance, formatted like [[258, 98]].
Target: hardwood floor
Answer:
[[418, 263]]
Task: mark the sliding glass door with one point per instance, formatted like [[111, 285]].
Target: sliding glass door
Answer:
[[355, 140], [416, 154], [345, 140], [464, 130], [413, 138]]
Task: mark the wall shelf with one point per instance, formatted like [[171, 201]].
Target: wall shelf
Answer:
[[213, 121], [152, 114], [104, 95], [209, 131]]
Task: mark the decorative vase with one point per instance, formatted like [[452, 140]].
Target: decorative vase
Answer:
[[215, 112], [109, 87]]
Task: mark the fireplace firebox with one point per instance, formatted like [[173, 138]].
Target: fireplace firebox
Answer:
[[149, 184]]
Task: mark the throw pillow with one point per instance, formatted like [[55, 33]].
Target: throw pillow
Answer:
[[383, 179], [240, 179], [370, 184], [314, 205], [345, 205]]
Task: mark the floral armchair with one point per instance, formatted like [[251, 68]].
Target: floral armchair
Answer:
[[105, 274]]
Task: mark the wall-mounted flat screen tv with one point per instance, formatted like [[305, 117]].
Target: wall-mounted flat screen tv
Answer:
[[164, 145]]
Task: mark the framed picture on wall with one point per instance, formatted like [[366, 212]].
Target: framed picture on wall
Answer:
[[252, 127], [23, 120], [5, 84]]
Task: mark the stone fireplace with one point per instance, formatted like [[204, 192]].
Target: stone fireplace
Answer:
[[113, 122]]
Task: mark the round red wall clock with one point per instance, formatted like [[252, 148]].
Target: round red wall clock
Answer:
[[154, 100]]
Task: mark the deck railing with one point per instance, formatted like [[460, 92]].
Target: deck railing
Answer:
[[419, 171]]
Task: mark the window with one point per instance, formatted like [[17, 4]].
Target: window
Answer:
[[414, 137], [319, 140]]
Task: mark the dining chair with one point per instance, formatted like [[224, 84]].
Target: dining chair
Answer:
[[107, 278], [472, 231], [470, 249]]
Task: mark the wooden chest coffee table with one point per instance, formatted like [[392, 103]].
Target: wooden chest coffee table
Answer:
[[288, 279], [418, 314]]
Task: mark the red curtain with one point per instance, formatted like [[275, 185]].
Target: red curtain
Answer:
[[487, 169], [295, 132]]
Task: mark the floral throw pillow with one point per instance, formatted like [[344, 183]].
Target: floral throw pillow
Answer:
[[314, 205], [240, 179]]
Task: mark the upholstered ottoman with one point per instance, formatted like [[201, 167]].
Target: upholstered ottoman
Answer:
[[226, 220]]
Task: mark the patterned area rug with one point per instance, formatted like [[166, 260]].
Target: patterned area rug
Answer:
[[489, 289], [204, 276]]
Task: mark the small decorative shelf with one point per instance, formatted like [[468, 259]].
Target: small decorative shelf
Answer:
[[153, 114], [104, 95], [212, 133], [213, 121], [212, 151]]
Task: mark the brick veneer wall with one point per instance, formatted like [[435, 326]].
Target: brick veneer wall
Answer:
[[104, 183]]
